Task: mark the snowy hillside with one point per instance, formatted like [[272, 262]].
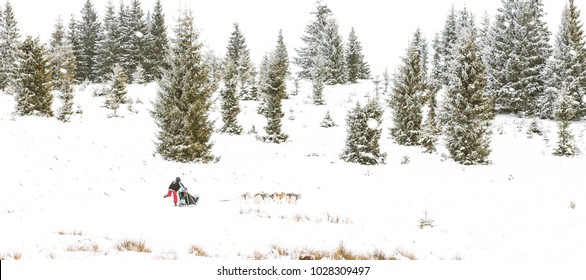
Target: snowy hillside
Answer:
[[77, 190]]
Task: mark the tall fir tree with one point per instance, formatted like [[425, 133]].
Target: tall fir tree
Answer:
[[406, 101], [9, 47], [239, 54], [468, 110], [275, 93], [568, 64], [88, 32], [230, 100], [313, 39], [358, 68], [184, 100], [536, 53], [109, 45], [565, 113], [33, 92], [159, 43], [518, 56], [137, 34], [334, 53]]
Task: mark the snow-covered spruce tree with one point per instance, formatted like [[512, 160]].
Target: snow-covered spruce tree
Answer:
[[568, 64], [88, 32], [518, 55], [33, 91], [117, 95], [137, 32], [274, 95], [374, 117], [408, 90], [184, 100], [159, 43], [468, 111], [108, 52], [357, 67], [230, 100], [362, 142], [314, 39], [238, 52], [9, 47], [564, 114], [536, 52], [335, 61]]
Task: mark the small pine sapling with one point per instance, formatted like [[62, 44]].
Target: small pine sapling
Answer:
[[328, 122], [426, 221]]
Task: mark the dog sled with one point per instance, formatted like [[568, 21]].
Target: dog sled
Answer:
[[186, 199]]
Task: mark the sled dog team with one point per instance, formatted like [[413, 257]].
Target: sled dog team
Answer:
[[278, 197]]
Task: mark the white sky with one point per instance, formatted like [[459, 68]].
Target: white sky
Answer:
[[383, 26]]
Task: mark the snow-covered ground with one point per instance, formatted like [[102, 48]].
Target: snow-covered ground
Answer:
[[76, 190]]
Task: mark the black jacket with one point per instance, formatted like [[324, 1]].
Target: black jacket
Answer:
[[175, 186]]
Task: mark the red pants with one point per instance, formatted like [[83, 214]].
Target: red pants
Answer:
[[174, 194]]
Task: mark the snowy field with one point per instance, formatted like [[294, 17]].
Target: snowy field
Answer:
[[78, 190]]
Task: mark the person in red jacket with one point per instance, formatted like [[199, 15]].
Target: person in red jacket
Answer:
[[175, 187]]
